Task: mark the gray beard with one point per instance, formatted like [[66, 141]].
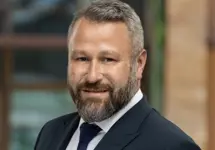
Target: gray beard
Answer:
[[97, 110]]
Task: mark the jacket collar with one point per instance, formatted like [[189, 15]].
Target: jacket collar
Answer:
[[126, 128], [119, 135]]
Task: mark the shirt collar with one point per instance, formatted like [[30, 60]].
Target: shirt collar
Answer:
[[106, 124]]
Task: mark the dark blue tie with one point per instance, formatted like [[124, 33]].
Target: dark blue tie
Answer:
[[87, 133]]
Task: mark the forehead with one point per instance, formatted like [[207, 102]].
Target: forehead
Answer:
[[110, 33], [86, 24]]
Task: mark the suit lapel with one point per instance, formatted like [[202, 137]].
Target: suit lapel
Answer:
[[69, 129], [126, 128]]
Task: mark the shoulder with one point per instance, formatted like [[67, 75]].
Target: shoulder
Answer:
[[62, 119], [57, 123], [163, 133], [53, 128]]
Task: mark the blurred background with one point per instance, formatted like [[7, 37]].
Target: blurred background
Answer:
[[179, 79]]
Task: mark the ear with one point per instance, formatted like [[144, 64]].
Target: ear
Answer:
[[141, 62]]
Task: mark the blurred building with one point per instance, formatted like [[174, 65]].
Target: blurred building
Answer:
[[33, 63], [186, 59]]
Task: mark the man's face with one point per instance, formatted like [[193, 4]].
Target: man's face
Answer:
[[100, 76]]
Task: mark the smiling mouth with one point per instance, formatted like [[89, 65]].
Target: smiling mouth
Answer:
[[95, 90], [95, 93]]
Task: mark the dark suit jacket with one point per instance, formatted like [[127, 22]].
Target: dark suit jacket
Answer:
[[141, 128]]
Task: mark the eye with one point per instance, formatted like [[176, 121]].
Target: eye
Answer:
[[82, 59], [109, 59]]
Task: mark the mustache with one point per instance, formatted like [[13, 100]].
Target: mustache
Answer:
[[86, 86]]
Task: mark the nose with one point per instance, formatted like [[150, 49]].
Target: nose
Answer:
[[94, 74]]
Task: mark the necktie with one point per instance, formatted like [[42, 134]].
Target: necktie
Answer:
[[87, 133]]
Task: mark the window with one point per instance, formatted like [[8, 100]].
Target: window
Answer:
[[30, 110], [40, 66], [42, 16], [38, 71]]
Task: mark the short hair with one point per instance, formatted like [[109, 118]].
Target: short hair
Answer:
[[100, 11]]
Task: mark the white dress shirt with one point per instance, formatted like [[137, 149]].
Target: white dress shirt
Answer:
[[104, 125]]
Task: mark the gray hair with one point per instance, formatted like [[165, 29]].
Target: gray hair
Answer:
[[114, 11]]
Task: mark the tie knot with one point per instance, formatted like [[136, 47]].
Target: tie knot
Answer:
[[90, 128], [88, 132]]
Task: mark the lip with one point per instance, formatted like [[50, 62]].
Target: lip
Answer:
[[94, 93]]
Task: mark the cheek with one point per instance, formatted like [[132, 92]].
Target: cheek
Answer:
[[72, 74], [75, 73], [119, 75]]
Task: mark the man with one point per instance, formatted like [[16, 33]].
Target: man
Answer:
[[105, 64]]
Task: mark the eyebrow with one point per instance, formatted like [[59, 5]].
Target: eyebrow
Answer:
[[109, 52], [102, 52], [78, 52]]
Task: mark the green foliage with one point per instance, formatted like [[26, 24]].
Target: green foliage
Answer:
[[157, 53]]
